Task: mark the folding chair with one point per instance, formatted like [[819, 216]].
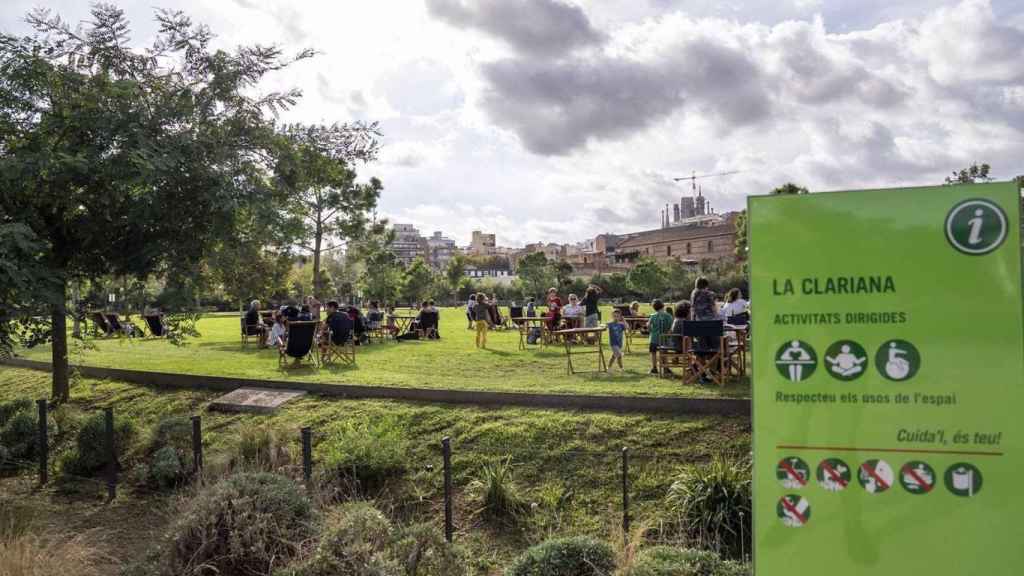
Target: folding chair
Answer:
[[126, 327], [428, 325], [672, 354], [155, 323], [738, 345], [331, 351], [252, 330], [375, 327], [705, 344], [99, 322], [300, 344]]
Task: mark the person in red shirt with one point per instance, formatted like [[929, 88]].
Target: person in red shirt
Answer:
[[554, 309]]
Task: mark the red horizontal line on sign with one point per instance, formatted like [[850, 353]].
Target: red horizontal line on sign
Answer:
[[903, 450]]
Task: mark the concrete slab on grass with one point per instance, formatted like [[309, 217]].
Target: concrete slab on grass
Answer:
[[258, 400]]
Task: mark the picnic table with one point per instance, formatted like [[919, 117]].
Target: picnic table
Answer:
[[634, 325], [583, 341], [402, 322], [525, 323]]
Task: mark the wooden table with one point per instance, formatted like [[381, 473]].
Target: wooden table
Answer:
[[525, 323], [634, 326], [574, 346], [402, 322]]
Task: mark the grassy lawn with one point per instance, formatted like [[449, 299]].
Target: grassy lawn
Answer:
[[566, 463], [451, 363]]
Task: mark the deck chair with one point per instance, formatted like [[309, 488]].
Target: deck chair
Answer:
[[338, 348], [429, 324], [672, 353], [516, 312], [301, 343], [99, 323], [257, 331], [738, 346], [155, 323], [126, 327], [706, 346]]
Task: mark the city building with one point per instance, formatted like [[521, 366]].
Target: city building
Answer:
[[688, 244], [482, 244], [440, 250], [409, 244]]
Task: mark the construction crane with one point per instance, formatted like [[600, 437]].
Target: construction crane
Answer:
[[666, 217]]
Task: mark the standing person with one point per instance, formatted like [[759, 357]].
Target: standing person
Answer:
[[734, 304], [554, 313], [531, 309], [314, 307], [659, 323], [482, 317], [703, 301], [590, 306], [616, 328], [470, 312]]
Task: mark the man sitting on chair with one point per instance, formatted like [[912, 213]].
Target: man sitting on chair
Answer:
[[338, 324]]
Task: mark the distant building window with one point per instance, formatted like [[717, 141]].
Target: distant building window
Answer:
[[669, 250], [689, 250], [711, 246]]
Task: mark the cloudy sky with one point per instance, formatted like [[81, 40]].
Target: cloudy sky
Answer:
[[556, 120]]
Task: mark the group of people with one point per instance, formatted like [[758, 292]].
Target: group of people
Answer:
[[342, 322]]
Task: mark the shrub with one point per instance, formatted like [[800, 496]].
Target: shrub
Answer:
[[168, 454], [30, 554], [711, 506], [245, 524], [8, 409], [355, 541], [498, 492], [576, 556], [18, 436], [365, 455], [90, 453], [260, 448], [422, 551], [669, 561]]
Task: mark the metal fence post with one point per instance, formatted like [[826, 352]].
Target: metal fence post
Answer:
[[197, 444], [111, 455], [625, 494], [446, 450], [42, 442], [307, 454]]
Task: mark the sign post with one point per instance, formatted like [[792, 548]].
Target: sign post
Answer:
[[888, 367]]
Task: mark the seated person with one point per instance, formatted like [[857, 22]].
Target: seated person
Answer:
[[573, 312], [675, 340], [291, 312], [358, 323], [531, 308], [279, 332], [252, 315], [432, 309], [374, 316], [337, 324], [305, 315]]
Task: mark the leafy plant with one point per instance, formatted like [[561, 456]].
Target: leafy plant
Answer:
[[259, 447], [249, 523], [365, 455], [355, 541], [90, 453], [499, 495], [422, 551], [19, 431], [669, 561], [711, 506], [577, 556]]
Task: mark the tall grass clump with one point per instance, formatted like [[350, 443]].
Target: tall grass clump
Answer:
[[577, 556], [260, 447], [500, 498], [361, 458], [24, 553], [669, 561], [355, 541], [248, 523], [709, 506], [90, 452]]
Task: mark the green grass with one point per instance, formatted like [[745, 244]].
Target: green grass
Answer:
[[451, 363], [566, 463]]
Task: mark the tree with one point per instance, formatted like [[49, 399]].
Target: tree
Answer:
[[535, 273], [970, 175], [26, 287], [789, 188], [416, 281], [316, 169], [257, 261], [562, 272], [741, 236], [126, 161], [648, 278], [454, 272], [381, 277]]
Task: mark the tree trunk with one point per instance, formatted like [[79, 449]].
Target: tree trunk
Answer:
[[317, 289], [61, 381]]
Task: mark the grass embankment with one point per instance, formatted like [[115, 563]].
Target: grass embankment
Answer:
[[451, 363], [566, 464]]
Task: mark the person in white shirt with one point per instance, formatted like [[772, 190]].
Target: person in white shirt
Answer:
[[734, 304], [277, 333], [573, 309]]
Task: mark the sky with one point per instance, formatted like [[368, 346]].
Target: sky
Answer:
[[557, 120]]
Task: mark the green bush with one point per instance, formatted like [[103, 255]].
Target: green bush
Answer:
[[90, 453], [18, 437], [8, 409], [710, 505], [259, 447], [363, 457], [578, 556], [167, 455], [669, 561], [248, 523], [497, 490], [355, 542], [422, 550]]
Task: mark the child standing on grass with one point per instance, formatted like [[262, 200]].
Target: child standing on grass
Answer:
[[616, 328], [482, 314], [659, 323]]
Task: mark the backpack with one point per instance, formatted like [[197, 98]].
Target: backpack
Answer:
[[533, 336]]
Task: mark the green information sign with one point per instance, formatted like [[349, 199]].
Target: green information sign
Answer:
[[888, 353]]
